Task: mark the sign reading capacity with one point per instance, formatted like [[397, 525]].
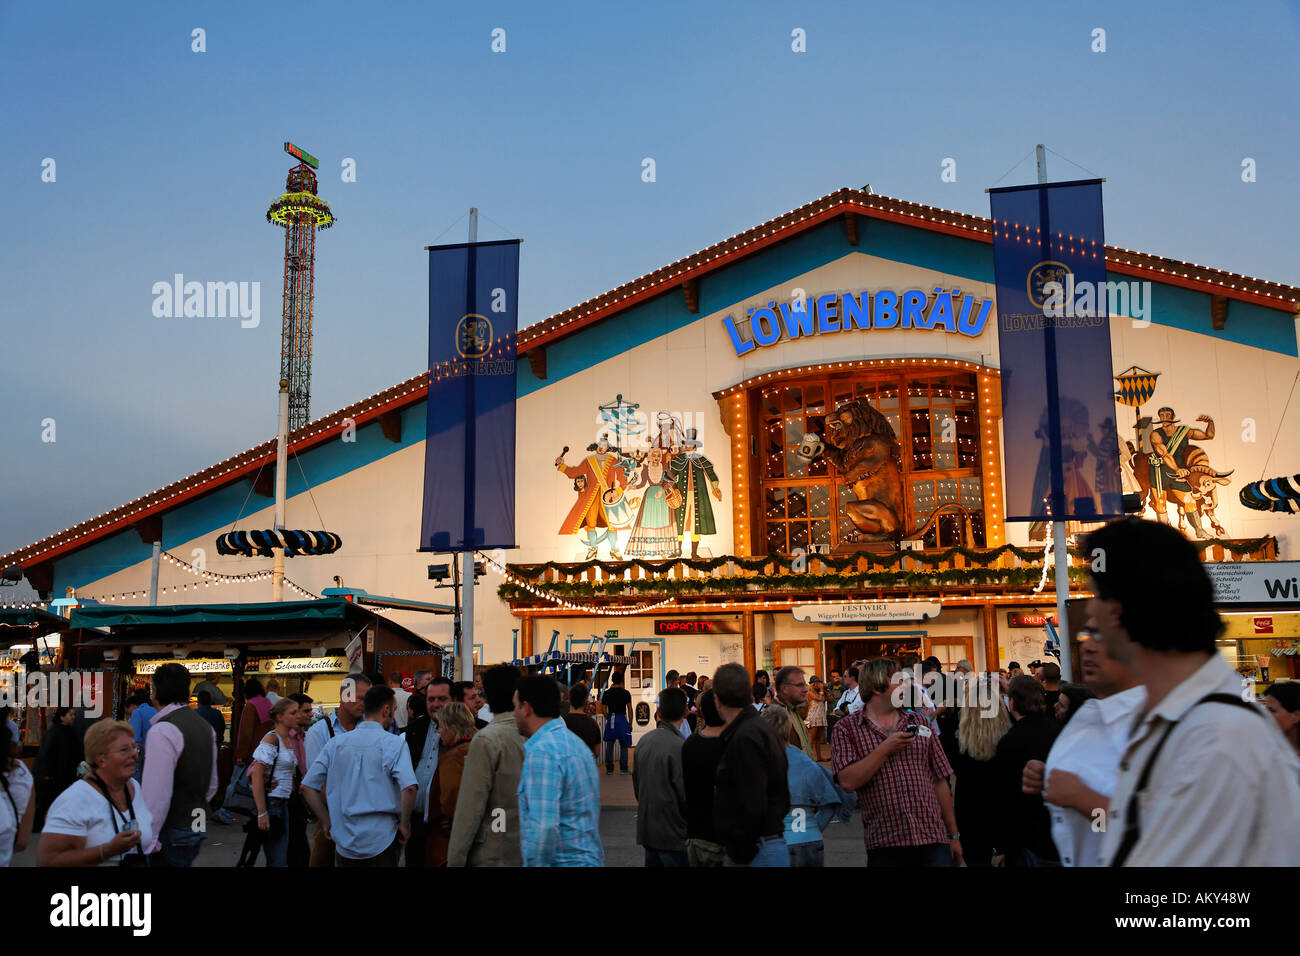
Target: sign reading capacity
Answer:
[[877, 611]]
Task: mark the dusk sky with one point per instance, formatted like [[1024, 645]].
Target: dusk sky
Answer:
[[166, 159]]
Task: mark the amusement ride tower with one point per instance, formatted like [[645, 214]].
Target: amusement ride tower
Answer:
[[300, 212]]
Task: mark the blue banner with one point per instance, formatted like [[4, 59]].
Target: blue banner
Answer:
[[469, 451], [1060, 440]]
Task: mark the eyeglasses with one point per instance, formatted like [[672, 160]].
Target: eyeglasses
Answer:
[[124, 751]]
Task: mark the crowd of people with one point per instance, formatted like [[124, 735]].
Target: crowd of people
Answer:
[[1159, 757]]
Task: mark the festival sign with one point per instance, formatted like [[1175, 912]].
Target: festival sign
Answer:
[[298, 665], [1255, 582], [871, 611], [205, 665], [1061, 443]]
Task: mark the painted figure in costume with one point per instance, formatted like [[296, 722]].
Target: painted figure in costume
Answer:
[[695, 479], [1179, 471], [598, 480], [654, 533]]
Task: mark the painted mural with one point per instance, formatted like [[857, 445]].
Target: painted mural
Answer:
[[655, 485], [1163, 466]]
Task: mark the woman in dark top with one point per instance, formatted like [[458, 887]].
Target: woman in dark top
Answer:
[[56, 762], [1024, 836], [976, 796], [700, 755]]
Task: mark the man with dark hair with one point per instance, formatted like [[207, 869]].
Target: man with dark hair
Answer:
[[701, 753], [559, 793], [181, 775], [657, 784], [423, 742], [1051, 681], [851, 700], [791, 692], [349, 713], [141, 719], [579, 721], [485, 826], [617, 705], [464, 692], [372, 788], [1023, 831], [1214, 782], [752, 795], [211, 715]]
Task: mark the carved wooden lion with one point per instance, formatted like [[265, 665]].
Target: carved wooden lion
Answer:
[[862, 447]]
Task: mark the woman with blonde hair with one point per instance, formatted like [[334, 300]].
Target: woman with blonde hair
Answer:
[[99, 819], [275, 758], [983, 722], [813, 800], [455, 728]]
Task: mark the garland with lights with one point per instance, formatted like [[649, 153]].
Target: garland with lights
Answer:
[[912, 580], [521, 586]]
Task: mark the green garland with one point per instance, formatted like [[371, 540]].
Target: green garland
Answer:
[[911, 580], [981, 557]]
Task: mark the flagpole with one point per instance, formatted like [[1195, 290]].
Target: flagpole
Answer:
[[1060, 543], [466, 649]]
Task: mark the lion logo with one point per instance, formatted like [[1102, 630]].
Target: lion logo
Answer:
[[862, 447]]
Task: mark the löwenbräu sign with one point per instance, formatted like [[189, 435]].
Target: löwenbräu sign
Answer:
[[944, 310]]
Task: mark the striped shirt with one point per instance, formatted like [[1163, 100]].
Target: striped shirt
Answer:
[[559, 800], [899, 805]]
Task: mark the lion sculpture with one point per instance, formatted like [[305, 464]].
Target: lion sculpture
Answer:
[[861, 446]]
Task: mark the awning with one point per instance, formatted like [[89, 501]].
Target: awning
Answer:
[[23, 625], [107, 615]]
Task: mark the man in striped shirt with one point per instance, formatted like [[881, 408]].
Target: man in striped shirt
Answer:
[[559, 790]]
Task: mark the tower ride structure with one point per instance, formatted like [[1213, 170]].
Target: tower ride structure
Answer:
[[300, 212]]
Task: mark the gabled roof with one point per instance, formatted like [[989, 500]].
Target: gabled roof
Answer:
[[849, 203]]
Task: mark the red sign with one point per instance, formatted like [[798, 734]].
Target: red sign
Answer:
[[408, 681], [696, 627], [1263, 625], [1028, 619]]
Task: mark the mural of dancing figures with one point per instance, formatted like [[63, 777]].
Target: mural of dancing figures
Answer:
[[654, 532], [600, 509]]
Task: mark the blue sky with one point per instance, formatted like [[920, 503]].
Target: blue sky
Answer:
[[166, 160]]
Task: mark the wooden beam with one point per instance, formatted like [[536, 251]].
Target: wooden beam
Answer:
[[1218, 311], [747, 639], [990, 638], [149, 529], [691, 290], [526, 636], [851, 227], [264, 483], [537, 361], [391, 424]]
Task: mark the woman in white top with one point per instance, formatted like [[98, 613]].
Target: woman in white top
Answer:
[[17, 808], [99, 818], [275, 755]]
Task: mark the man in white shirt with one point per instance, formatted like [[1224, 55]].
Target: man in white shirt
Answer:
[[1083, 767], [401, 715], [347, 715], [1207, 778], [851, 699]]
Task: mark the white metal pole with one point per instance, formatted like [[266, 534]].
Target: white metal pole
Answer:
[[153, 574], [281, 476], [1060, 543], [466, 648]]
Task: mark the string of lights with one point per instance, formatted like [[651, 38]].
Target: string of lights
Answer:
[[570, 605]]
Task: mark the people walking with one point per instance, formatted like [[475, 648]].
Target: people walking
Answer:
[[100, 818], [813, 800], [559, 794], [180, 775], [455, 731], [275, 779], [983, 720], [701, 753], [658, 786], [346, 717], [485, 825], [617, 706], [751, 796], [1083, 765], [1024, 829], [56, 763], [17, 803], [372, 788], [892, 758], [1201, 783]]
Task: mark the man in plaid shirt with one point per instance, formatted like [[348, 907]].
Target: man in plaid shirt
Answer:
[[559, 790], [893, 759]]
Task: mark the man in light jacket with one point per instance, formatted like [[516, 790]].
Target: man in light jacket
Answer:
[[485, 826]]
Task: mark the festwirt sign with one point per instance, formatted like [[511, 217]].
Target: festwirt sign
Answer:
[[943, 310]]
